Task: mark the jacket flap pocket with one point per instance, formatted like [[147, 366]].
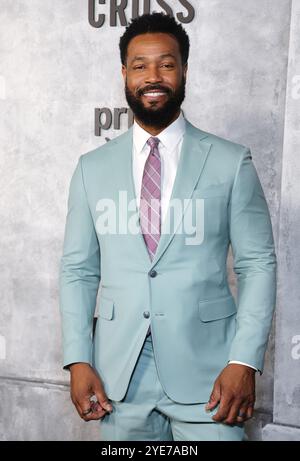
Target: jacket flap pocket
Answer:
[[106, 308], [217, 308]]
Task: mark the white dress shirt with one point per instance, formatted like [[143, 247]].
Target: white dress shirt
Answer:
[[169, 148]]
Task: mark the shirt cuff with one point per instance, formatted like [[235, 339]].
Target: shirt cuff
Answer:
[[243, 363]]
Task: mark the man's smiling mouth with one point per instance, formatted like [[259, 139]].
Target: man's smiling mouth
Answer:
[[154, 94]]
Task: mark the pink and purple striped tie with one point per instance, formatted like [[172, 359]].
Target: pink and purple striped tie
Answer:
[[150, 210]]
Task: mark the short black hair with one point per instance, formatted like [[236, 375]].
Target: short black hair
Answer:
[[151, 23]]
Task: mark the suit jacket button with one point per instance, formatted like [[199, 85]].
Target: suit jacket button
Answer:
[[146, 314], [153, 273]]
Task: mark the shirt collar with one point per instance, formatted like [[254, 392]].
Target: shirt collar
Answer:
[[169, 137]]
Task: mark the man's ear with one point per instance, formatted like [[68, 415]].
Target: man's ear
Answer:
[[185, 69], [124, 71]]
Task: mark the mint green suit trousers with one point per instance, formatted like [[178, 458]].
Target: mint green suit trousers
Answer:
[[147, 413]]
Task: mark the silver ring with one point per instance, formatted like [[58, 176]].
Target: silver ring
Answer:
[[87, 412]]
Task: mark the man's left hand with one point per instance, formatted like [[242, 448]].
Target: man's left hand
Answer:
[[234, 390]]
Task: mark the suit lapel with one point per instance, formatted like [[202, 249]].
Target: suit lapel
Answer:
[[193, 155], [194, 152], [124, 146]]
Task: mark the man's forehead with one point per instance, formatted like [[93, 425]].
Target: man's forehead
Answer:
[[138, 43]]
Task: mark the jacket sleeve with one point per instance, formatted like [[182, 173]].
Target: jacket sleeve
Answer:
[[255, 264], [79, 275]]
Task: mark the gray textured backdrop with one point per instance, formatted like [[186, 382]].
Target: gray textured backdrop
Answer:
[[55, 69]]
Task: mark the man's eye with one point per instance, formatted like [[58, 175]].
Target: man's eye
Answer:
[[142, 66]]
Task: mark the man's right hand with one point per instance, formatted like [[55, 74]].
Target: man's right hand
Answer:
[[85, 383]]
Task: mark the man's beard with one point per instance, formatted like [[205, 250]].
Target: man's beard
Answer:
[[156, 117]]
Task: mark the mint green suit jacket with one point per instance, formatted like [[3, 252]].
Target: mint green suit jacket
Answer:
[[196, 324]]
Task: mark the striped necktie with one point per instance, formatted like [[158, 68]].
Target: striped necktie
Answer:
[[150, 211]]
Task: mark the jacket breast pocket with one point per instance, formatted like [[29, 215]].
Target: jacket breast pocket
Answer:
[[106, 308], [216, 309], [208, 211]]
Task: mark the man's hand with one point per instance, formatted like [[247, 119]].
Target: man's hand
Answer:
[[85, 383], [234, 389]]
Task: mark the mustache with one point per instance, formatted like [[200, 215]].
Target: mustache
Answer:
[[153, 88]]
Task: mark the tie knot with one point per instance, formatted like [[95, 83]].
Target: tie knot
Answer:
[[153, 142]]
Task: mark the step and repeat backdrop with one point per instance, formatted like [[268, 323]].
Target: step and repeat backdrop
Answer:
[[61, 95]]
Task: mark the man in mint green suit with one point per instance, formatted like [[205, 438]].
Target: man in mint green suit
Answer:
[[174, 355]]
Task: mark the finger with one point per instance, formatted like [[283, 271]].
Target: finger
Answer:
[[214, 398], [242, 413], [98, 411], [250, 410], [246, 411], [84, 404], [95, 412], [237, 413], [224, 408], [95, 415], [102, 399], [86, 411]]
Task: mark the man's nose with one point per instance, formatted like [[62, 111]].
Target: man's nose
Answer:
[[153, 75]]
